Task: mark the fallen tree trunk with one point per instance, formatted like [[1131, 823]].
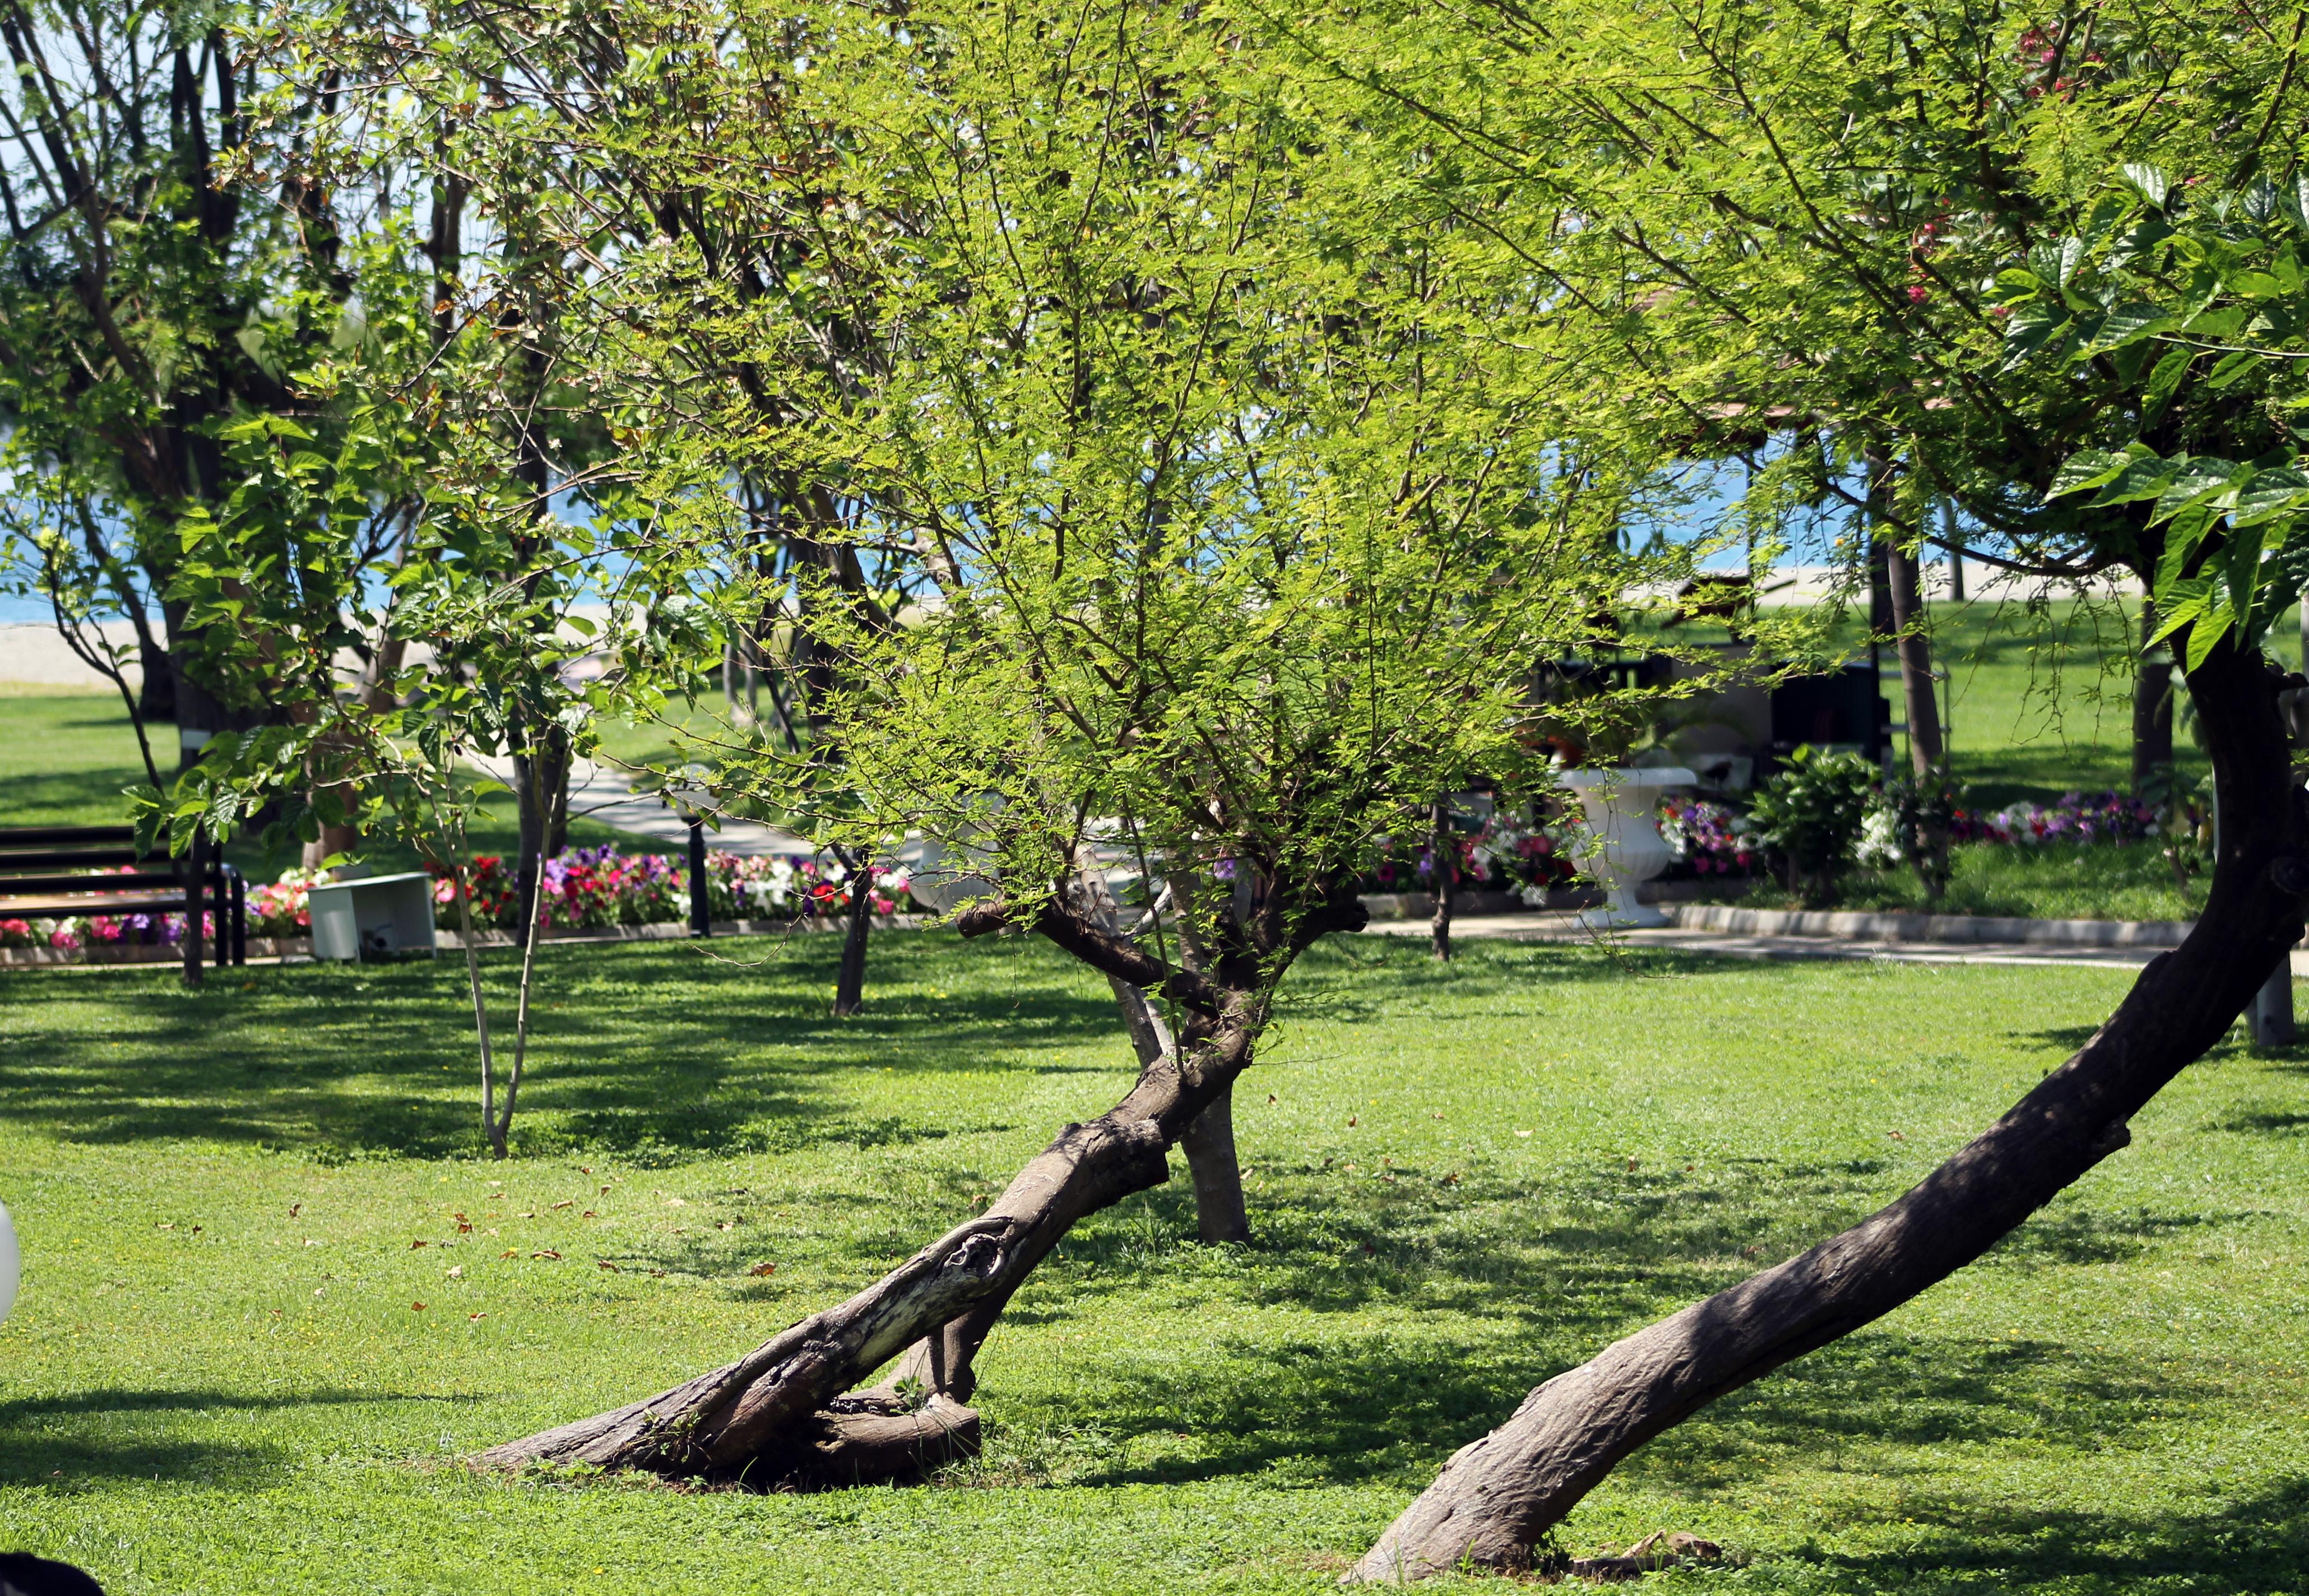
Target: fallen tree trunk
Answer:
[[740, 1422], [1498, 1495], [725, 1423]]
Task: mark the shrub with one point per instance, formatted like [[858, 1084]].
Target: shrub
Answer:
[[1809, 813], [1920, 816]]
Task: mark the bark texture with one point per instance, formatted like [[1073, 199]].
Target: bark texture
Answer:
[[744, 1420], [2152, 707], [1497, 1496], [1905, 579], [849, 977], [1221, 1213]]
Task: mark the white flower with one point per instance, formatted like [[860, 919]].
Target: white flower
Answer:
[[1880, 840]]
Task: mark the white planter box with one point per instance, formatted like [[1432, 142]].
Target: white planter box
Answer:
[[377, 917]]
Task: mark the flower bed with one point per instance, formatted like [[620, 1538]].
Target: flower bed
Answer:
[[595, 888], [1508, 854], [584, 889], [2103, 817], [69, 933]]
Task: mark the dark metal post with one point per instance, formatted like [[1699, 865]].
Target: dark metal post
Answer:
[[195, 868], [701, 906], [223, 899], [240, 917]]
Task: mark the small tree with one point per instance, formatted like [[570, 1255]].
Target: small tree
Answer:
[[1796, 224], [1255, 520]]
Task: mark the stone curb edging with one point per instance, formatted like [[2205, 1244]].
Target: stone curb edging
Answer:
[[1928, 928]]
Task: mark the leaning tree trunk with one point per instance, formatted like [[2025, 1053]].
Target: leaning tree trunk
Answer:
[[1496, 1497], [780, 1414]]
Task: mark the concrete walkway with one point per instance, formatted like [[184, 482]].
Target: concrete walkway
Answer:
[[605, 795], [1737, 944], [1710, 942]]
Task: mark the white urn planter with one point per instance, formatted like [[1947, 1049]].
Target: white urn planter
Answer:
[[1622, 805]]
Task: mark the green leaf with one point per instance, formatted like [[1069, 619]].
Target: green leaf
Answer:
[[2268, 494], [2164, 383], [2178, 603], [2072, 257], [2141, 478], [2233, 367], [2206, 634], [2242, 559], [2200, 479], [2135, 319], [2087, 468], [2150, 183]]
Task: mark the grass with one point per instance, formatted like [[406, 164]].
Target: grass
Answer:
[[66, 759], [217, 1379], [2124, 881], [2039, 699]]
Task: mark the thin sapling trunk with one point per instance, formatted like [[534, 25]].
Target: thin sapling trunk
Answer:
[[481, 1003], [501, 1126], [1440, 847]]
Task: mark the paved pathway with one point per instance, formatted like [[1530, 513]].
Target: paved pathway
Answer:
[[1724, 944], [604, 794]]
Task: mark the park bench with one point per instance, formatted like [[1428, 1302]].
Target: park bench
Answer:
[[46, 871]]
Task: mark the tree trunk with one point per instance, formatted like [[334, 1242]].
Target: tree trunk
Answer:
[[1496, 1497], [1440, 848], [739, 1421], [540, 790], [744, 1420], [850, 979], [2152, 707], [156, 693], [1925, 746], [1220, 1212], [1881, 625]]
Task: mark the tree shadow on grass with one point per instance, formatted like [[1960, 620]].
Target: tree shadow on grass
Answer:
[[649, 1051], [1379, 1406], [70, 798], [66, 1440], [2248, 1544], [1524, 1279], [1332, 981], [2075, 1233], [2265, 1123]]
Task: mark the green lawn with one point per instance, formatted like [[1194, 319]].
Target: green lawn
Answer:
[[2124, 881], [217, 1380], [65, 759], [2040, 698]]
